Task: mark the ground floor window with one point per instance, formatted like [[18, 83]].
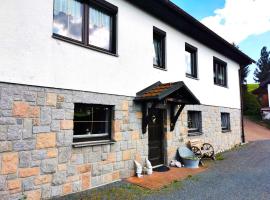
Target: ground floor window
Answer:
[[194, 123], [225, 122], [92, 122]]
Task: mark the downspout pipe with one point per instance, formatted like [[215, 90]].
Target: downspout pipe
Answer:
[[243, 137]]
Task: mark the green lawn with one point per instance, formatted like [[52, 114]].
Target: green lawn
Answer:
[[252, 87], [124, 191]]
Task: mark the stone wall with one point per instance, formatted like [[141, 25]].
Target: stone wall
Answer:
[[211, 129], [37, 157], [36, 133]]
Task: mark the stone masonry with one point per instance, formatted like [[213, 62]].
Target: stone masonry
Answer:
[[38, 160], [211, 129]]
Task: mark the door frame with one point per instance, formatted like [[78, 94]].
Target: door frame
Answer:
[[164, 130]]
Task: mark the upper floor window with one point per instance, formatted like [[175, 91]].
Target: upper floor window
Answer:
[[92, 122], [159, 48], [194, 123], [191, 61], [225, 122], [220, 72], [88, 23]]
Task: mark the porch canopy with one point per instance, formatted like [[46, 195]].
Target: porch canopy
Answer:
[[172, 94]]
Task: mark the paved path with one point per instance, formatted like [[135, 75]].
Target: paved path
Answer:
[[243, 175], [255, 132]]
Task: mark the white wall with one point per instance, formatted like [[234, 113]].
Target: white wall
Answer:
[[29, 55], [268, 90]]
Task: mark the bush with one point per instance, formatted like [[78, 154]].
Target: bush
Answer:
[[251, 104]]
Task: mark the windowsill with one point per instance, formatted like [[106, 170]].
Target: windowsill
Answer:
[[194, 134], [192, 77], [224, 86], [160, 67], [92, 143], [83, 45], [226, 131]]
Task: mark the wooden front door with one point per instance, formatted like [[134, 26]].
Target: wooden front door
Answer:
[[155, 137]]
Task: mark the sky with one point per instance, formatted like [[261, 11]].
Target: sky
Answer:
[[244, 22]]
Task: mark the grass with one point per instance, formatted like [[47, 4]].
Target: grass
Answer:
[[252, 87], [219, 156], [175, 185], [238, 147], [125, 192], [130, 192], [192, 178], [192, 158]]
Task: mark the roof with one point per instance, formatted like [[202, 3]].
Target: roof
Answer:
[[182, 21], [167, 91]]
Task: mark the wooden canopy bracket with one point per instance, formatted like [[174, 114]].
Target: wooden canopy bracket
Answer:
[[175, 117], [145, 115]]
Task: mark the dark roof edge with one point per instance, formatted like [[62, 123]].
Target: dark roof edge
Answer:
[[166, 11]]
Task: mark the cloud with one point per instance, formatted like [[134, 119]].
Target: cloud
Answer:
[[240, 19]]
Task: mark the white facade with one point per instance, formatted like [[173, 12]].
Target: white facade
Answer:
[[29, 55], [268, 90]]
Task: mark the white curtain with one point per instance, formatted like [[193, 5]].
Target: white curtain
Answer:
[[99, 29], [195, 120], [225, 121], [158, 52], [70, 7], [68, 18], [221, 74], [188, 62]]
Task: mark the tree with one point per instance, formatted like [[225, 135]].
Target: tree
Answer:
[[262, 72], [243, 76], [244, 73]]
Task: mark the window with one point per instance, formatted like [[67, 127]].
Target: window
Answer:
[[92, 122], [220, 72], [159, 48], [87, 23], [191, 61], [194, 123], [225, 122]]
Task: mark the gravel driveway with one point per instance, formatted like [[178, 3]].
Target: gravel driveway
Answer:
[[255, 132], [243, 174]]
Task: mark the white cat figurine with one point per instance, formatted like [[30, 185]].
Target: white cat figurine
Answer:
[[149, 167], [138, 169]]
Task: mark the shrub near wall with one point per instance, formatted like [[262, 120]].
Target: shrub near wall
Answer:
[[251, 104]]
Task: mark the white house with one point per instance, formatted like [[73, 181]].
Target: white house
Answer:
[[89, 86]]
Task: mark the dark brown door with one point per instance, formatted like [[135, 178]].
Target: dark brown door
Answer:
[[155, 138]]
